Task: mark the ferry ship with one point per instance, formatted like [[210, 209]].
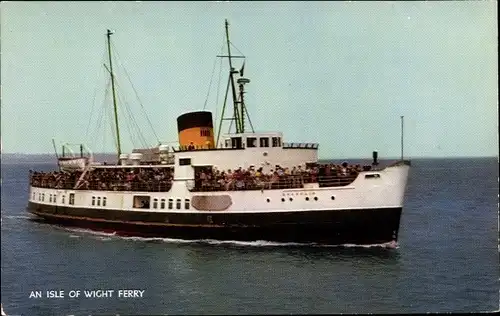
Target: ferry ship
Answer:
[[242, 185]]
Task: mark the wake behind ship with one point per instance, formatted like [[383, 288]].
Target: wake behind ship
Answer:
[[243, 185]]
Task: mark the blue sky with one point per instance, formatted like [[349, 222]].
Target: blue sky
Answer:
[[337, 73]]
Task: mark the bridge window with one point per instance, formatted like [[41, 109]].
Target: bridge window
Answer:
[[155, 203], [63, 198], [264, 142], [236, 142], [170, 204], [251, 142], [372, 176], [162, 203], [276, 141], [99, 201], [93, 200], [72, 198], [50, 198], [186, 204], [178, 204], [104, 201], [43, 197]]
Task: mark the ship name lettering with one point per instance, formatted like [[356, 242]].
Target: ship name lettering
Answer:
[[298, 193]]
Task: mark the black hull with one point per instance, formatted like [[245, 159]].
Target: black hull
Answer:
[[360, 226]]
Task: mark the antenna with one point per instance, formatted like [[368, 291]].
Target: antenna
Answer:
[[402, 139]]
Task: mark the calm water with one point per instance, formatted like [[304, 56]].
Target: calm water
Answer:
[[447, 260]]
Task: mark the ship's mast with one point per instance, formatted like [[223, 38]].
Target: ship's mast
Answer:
[[237, 117], [114, 94], [239, 109]]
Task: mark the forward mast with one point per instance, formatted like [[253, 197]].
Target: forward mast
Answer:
[[240, 111], [118, 143]]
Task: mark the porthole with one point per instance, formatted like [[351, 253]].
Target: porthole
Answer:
[[282, 199], [307, 198], [315, 198], [268, 200], [291, 199], [333, 198]]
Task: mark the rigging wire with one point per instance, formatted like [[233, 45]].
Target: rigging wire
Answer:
[[95, 94], [100, 117], [136, 94], [127, 123], [212, 76], [132, 121], [210, 84], [237, 49], [218, 91]]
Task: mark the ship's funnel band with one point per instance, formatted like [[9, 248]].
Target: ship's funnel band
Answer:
[[194, 119]]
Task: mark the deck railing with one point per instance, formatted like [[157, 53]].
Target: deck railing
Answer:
[[286, 182], [144, 186]]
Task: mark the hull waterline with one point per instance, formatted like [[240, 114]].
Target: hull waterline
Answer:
[[357, 226]]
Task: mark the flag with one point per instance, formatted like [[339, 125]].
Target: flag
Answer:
[[242, 68]]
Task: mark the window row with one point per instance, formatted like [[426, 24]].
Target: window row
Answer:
[[144, 202], [53, 198], [96, 200], [251, 142], [160, 203]]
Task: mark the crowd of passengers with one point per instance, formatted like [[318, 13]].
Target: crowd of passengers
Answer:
[[114, 179], [212, 179], [123, 179], [54, 179], [206, 179]]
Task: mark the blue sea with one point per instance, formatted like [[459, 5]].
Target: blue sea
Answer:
[[447, 260]]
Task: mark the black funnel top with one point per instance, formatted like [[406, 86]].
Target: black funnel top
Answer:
[[194, 119]]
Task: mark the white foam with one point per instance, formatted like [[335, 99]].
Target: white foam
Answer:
[[388, 245], [18, 216], [258, 243], [89, 231]]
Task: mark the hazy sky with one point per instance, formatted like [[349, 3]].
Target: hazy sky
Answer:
[[337, 73]]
